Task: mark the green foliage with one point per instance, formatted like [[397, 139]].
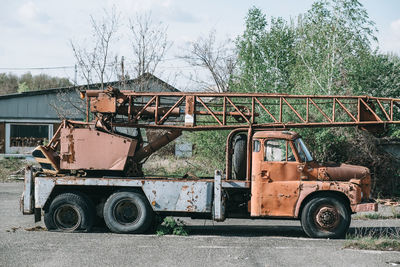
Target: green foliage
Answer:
[[10, 83], [376, 74], [210, 146], [379, 238], [22, 87], [326, 144], [179, 167], [170, 226], [265, 54], [331, 36], [327, 50]]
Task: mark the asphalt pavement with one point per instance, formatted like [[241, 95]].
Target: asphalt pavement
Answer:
[[231, 243]]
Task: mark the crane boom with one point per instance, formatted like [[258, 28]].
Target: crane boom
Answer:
[[214, 111]]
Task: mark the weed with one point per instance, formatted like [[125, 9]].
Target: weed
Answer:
[[8, 166], [374, 239], [170, 226], [376, 216], [371, 243]]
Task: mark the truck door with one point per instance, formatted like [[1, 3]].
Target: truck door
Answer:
[[275, 178]]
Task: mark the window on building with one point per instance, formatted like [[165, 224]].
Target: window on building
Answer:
[[28, 135]]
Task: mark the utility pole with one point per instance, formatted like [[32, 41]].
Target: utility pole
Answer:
[[123, 72], [76, 75]]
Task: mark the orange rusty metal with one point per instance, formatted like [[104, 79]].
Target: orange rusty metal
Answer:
[[190, 111], [208, 111], [275, 186], [103, 103], [156, 144], [363, 207], [280, 187], [90, 149]]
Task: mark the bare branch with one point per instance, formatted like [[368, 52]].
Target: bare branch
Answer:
[[149, 42], [95, 61], [218, 59]]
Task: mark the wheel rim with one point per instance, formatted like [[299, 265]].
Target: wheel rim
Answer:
[[126, 212], [327, 217], [67, 217]]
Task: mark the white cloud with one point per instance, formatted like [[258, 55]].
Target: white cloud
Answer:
[[395, 27], [390, 40], [28, 11], [33, 19]]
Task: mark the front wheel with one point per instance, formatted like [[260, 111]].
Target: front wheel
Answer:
[[325, 217], [127, 212]]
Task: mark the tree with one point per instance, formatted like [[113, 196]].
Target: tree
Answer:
[[97, 61], [149, 43], [218, 59], [10, 83], [327, 51], [376, 74], [266, 54], [331, 36]]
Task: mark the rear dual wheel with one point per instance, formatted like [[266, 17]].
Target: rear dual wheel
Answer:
[[128, 212], [69, 212]]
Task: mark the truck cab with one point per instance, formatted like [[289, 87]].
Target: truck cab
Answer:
[[287, 182]]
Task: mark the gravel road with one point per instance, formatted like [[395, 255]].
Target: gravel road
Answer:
[[234, 242]]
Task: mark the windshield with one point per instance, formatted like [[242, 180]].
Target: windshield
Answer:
[[304, 154]]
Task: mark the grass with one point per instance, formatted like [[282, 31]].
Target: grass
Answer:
[[178, 167], [377, 216], [170, 226], [371, 243], [387, 239], [8, 166]]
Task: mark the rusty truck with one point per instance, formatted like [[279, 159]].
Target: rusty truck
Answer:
[[92, 169]]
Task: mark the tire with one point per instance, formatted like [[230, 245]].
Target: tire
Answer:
[[325, 217], [128, 212], [239, 157], [69, 212]]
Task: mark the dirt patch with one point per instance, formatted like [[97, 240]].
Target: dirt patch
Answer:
[[36, 229], [13, 229]]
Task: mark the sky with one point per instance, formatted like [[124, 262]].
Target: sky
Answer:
[[37, 33]]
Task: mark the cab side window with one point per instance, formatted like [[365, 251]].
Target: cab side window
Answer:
[[278, 150], [256, 145]]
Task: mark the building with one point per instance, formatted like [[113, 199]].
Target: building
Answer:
[[29, 119]]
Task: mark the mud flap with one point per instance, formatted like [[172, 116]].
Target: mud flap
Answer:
[[38, 215], [219, 204], [27, 198]]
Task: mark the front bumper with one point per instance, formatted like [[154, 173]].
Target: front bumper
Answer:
[[362, 207]]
